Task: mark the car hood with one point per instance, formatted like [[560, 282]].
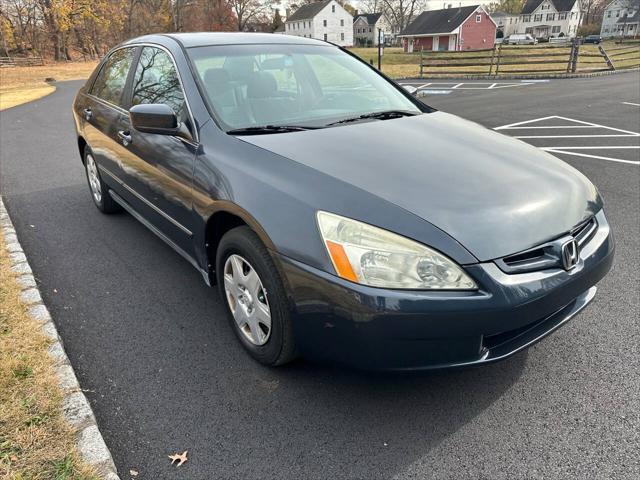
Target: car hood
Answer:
[[493, 194]]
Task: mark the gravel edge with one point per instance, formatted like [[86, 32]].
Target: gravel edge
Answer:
[[76, 408]]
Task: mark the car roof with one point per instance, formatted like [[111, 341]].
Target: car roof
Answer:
[[201, 39]]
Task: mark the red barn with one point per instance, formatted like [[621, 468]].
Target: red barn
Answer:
[[464, 28]]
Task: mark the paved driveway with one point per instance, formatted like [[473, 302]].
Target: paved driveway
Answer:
[[164, 373]]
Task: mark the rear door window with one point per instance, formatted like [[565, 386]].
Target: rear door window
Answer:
[[111, 80]]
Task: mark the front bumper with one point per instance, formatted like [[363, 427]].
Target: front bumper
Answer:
[[372, 328]]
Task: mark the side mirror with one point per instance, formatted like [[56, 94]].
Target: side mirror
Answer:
[[154, 118], [411, 89]]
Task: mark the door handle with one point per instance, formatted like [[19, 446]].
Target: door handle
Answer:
[[125, 137], [87, 113]]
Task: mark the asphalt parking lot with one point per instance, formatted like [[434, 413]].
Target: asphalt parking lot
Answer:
[[164, 372]]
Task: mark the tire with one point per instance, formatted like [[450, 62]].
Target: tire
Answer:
[[241, 249], [98, 189]]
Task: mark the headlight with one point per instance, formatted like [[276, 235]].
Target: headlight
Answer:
[[373, 256]]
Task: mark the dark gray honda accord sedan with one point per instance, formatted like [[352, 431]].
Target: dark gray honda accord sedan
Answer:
[[341, 218]]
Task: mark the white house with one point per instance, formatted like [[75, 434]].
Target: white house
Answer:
[[550, 18], [620, 18], [507, 23], [326, 20], [366, 28]]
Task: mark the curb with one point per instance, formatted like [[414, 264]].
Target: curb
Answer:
[[75, 405], [521, 77]]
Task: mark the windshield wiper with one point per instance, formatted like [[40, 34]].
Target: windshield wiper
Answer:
[[385, 115], [269, 129]]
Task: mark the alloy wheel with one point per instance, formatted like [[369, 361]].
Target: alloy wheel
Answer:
[[94, 179]]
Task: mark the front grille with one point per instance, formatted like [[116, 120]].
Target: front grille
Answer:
[[547, 255], [585, 232]]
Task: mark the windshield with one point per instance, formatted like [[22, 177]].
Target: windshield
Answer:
[[302, 85]]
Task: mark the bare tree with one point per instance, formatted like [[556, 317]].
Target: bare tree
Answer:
[[249, 11], [400, 13]]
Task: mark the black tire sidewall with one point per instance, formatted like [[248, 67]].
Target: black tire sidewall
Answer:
[[244, 242]]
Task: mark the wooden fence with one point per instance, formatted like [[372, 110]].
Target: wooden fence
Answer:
[[526, 60], [21, 61]]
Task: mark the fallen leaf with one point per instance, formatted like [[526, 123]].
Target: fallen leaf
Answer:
[[180, 458], [133, 473]]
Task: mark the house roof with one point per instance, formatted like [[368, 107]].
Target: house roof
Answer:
[[560, 5], [635, 18], [439, 21], [631, 5], [308, 11], [371, 18], [500, 14]]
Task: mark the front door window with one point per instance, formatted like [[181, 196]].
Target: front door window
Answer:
[[156, 81]]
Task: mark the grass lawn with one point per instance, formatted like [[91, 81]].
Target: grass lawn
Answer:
[[398, 64], [35, 440], [19, 85]]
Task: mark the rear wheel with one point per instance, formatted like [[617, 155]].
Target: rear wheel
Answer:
[[99, 190], [256, 304]]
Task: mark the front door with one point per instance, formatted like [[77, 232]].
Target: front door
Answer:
[[158, 169], [410, 46], [443, 43]]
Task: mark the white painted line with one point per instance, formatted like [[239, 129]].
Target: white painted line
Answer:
[[601, 126], [577, 136], [505, 127], [466, 86], [550, 126], [601, 147], [597, 157], [633, 104], [589, 124]]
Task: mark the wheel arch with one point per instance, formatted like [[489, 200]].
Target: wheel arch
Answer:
[[225, 217]]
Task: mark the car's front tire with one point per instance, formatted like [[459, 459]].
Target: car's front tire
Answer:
[[99, 190], [254, 297]]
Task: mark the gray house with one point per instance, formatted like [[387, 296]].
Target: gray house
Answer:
[[366, 27]]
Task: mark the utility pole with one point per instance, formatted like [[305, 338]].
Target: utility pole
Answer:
[[380, 42]]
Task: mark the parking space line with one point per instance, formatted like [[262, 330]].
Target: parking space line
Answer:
[[597, 157], [549, 127], [511, 125], [599, 147], [621, 140], [631, 103], [468, 85], [578, 136]]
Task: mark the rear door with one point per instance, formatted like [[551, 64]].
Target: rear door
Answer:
[[105, 114], [158, 169]]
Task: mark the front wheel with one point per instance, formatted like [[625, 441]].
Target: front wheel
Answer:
[[250, 285]]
